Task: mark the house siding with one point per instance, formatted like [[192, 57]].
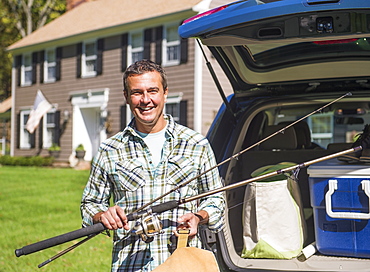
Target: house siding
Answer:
[[59, 93]]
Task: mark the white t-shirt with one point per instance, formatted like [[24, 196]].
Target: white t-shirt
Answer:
[[155, 143]]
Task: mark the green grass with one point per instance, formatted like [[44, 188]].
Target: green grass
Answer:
[[40, 203]]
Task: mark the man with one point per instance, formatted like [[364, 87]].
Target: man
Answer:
[[151, 156]]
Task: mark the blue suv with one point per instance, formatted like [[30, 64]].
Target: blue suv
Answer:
[[290, 60]]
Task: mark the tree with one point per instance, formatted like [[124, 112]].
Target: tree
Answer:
[[18, 19]]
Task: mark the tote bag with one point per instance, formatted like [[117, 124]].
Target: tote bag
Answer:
[[273, 225]]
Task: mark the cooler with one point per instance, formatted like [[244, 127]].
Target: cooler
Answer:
[[340, 196]]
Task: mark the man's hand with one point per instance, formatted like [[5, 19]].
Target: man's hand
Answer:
[[191, 221], [114, 218]]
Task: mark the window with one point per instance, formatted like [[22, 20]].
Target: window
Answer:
[[25, 136], [26, 76], [89, 59], [50, 66], [171, 45], [49, 127], [322, 128], [136, 47], [173, 106]]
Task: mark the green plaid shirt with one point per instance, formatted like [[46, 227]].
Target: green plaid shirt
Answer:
[[123, 169]]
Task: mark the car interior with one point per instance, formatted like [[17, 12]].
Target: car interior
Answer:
[[332, 129]]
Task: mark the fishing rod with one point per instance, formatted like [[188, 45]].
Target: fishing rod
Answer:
[[242, 152], [154, 224], [150, 225]]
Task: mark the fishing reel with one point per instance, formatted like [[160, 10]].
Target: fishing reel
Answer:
[[148, 227]]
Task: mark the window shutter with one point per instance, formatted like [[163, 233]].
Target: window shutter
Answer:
[[184, 50], [124, 44], [158, 44], [183, 112], [99, 60], [18, 65], [123, 117], [41, 132], [42, 59], [57, 128], [33, 140], [58, 63], [34, 66], [19, 130], [79, 60], [147, 42]]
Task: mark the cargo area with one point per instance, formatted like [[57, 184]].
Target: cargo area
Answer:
[[307, 140]]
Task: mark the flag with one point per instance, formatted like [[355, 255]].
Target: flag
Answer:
[[40, 107]]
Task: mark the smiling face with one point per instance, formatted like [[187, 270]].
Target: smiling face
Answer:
[[146, 97]]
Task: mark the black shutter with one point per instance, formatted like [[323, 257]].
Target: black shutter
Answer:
[[42, 59], [158, 44], [33, 140], [183, 112], [19, 130], [99, 60], [58, 63], [41, 132], [147, 42], [18, 65], [184, 50], [34, 66], [79, 60], [123, 117], [124, 44], [57, 130]]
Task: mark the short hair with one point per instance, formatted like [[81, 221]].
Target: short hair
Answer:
[[143, 66]]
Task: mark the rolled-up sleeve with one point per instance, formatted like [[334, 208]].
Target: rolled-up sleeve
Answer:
[[214, 204]]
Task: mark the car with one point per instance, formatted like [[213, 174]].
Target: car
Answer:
[[299, 70]]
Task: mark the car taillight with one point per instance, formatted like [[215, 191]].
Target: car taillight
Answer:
[[335, 41], [209, 12]]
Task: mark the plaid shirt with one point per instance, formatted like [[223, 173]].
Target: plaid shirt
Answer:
[[123, 169]]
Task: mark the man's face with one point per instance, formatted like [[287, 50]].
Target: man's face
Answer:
[[146, 98]]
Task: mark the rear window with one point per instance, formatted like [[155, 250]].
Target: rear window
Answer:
[[277, 54]]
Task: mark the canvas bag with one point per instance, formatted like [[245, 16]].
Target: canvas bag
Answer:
[[273, 222], [185, 259]]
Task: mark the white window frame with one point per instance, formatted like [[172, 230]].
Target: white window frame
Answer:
[[85, 59], [26, 69], [47, 140], [49, 65], [175, 99], [170, 44], [135, 50], [25, 136]]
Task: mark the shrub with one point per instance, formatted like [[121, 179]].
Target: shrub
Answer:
[[26, 161]]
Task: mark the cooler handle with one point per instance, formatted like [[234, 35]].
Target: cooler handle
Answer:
[[333, 185]]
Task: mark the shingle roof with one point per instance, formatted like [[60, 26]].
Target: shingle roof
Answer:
[[102, 14]]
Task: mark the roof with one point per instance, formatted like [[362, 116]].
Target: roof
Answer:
[[6, 105], [102, 14]]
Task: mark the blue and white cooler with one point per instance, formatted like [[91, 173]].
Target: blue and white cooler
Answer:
[[340, 196]]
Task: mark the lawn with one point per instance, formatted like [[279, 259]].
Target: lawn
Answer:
[[40, 203]]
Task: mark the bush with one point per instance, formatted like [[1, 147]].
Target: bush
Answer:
[[26, 161]]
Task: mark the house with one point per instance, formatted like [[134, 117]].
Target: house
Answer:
[[77, 62]]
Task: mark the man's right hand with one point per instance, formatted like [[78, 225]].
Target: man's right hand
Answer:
[[113, 218]]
